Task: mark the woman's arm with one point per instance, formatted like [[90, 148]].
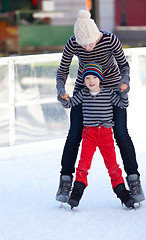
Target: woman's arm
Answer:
[[63, 70], [122, 63]]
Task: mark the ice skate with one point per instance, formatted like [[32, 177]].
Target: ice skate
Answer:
[[124, 195], [76, 194], [134, 184], [64, 189]]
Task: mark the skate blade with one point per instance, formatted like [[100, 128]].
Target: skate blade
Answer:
[[62, 198], [73, 203], [137, 205]]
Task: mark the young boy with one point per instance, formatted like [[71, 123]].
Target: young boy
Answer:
[[97, 107]]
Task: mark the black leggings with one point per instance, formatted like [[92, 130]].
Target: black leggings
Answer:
[[121, 135]]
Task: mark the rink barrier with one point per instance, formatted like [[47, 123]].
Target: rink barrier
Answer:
[[133, 55]]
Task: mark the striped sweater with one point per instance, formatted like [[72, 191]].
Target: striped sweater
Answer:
[[108, 53], [98, 110]]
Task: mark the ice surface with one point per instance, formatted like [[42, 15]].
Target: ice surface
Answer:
[[29, 177]]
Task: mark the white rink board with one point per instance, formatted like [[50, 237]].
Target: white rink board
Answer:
[[29, 110]]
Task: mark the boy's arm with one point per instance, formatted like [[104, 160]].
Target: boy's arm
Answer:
[[72, 101], [120, 100], [77, 99]]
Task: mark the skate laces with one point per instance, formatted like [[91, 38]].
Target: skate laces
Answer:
[[65, 187], [76, 193], [134, 186], [125, 195]]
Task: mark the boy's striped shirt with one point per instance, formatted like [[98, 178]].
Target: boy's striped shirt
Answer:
[[98, 110]]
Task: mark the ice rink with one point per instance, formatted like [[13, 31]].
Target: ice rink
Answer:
[[29, 177], [35, 125]]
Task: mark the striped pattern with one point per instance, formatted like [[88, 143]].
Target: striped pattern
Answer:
[[98, 109], [93, 69], [106, 51]]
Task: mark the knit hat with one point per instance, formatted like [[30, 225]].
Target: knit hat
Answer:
[[85, 29], [92, 69]]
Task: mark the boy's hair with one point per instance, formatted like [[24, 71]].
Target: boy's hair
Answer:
[[92, 69]]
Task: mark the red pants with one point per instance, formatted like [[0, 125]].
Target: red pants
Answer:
[[103, 138]]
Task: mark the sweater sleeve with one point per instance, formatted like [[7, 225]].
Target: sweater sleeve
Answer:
[[119, 100], [63, 70], [119, 56], [77, 99]]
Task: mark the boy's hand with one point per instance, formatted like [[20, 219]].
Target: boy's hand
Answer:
[[123, 87], [65, 96], [64, 100]]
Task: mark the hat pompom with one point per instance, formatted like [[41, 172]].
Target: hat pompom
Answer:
[[84, 14], [85, 29]]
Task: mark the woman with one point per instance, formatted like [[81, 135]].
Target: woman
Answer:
[[90, 44]]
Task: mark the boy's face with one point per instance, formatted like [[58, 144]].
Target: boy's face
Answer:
[[92, 83]]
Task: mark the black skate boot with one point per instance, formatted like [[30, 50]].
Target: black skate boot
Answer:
[[134, 184], [76, 194], [64, 189], [124, 195]]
